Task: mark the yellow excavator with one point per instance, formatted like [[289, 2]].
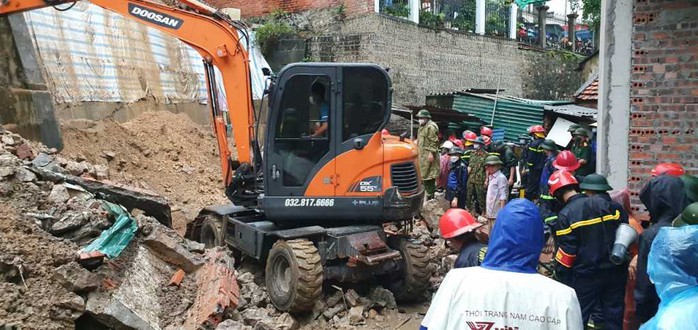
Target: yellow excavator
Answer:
[[311, 200]]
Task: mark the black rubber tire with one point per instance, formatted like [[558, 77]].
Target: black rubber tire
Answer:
[[412, 283], [294, 275], [211, 232]]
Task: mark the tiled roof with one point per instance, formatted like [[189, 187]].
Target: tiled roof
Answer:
[[589, 91]]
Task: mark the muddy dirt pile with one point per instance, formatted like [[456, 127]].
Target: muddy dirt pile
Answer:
[[69, 258], [159, 151]]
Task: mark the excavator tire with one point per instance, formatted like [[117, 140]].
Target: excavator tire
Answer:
[[294, 275], [412, 283], [211, 232]]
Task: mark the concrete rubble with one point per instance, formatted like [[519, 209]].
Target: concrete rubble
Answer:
[[58, 203]]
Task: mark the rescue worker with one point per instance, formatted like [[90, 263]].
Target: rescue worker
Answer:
[[689, 216], [582, 151], [443, 165], [571, 130], [476, 178], [665, 198], [486, 135], [584, 234], [674, 271], [460, 230], [548, 205], [506, 291], [595, 185], [457, 179], [428, 147], [469, 138], [534, 156], [566, 161], [672, 169], [550, 149]]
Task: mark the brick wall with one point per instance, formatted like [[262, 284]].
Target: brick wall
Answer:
[[256, 8], [663, 90], [425, 61]]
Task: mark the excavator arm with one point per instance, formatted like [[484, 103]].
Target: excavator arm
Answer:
[[215, 36]]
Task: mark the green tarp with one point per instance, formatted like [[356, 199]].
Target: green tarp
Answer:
[[115, 239], [524, 3]]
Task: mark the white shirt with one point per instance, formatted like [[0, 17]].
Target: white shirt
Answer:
[[497, 190], [480, 298]]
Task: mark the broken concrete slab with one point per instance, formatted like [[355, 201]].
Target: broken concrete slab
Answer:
[[217, 293], [171, 247], [233, 325], [68, 223], [75, 278], [284, 321], [352, 298], [134, 302], [25, 175], [356, 315], [151, 203]]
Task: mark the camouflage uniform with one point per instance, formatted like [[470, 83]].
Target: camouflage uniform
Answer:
[[476, 182], [428, 142]]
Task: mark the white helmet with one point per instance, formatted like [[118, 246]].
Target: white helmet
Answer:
[[448, 145]]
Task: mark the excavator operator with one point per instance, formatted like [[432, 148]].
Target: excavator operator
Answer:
[[317, 98]]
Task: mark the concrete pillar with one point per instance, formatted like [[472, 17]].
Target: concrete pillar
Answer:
[[513, 14], [480, 16], [571, 31], [614, 94], [414, 10], [542, 12]]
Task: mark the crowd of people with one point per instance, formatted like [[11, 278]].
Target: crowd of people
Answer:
[[609, 270]]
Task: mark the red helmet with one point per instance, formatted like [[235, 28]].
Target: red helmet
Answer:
[[484, 130], [456, 222], [385, 132], [560, 179], [487, 139], [672, 169], [536, 129], [459, 143], [566, 161], [469, 136]]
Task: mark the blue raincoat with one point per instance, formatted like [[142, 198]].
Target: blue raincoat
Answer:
[[673, 269], [515, 246]]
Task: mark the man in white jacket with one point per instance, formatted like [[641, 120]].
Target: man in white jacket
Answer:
[[506, 292]]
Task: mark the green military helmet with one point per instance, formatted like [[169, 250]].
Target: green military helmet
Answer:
[[455, 151], [581, 131], [690, 183], [549, 145], [689, 216], [573, 128], [424, 113], [595, 182], [493, 160]]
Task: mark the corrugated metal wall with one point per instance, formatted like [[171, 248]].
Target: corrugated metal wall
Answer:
[[91, 54], [514, 115]]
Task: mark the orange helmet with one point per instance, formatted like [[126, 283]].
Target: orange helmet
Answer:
[[672, 169], [385, 132], [560, 179], [469, 136], [566, 161], [456, 222], [484, 130]]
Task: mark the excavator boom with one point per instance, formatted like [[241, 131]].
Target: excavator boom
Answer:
[[216, 37]]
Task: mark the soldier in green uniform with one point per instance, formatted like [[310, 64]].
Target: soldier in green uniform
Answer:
[[477, 191], [582, 151], [428, 146], [571, 130]]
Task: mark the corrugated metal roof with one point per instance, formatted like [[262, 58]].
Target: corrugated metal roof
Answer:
[[513, 114], [572, 110], [589, 91]]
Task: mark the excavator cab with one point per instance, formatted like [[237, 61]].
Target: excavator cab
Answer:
[[326, 162]]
